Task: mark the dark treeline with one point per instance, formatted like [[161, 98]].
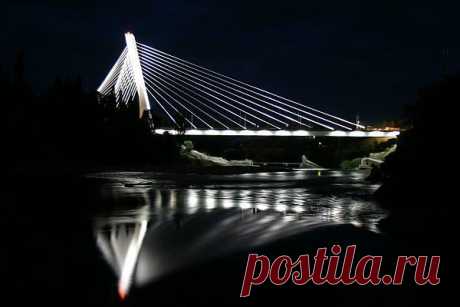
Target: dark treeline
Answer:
[[417, 187], [66, 128], [418, 178]]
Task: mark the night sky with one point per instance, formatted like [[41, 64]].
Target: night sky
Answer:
[[344, 57]]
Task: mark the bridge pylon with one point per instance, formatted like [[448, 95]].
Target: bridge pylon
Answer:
[[133, 56]]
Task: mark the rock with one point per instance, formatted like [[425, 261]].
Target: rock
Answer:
[[202, 159], [375, 159], [307, 163]]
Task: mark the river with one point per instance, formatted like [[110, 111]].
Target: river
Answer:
[[152, 224], [143, 237]]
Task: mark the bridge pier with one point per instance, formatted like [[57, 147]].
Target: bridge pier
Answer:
[[133, 56]]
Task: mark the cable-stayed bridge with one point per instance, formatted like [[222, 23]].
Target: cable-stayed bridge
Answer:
[[199, 101]]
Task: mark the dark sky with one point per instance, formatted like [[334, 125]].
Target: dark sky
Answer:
[[344, 57]]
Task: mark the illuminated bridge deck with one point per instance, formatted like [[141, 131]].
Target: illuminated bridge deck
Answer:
[[294, 133]]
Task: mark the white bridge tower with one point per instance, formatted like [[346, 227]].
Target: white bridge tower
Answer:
[[133, 56]]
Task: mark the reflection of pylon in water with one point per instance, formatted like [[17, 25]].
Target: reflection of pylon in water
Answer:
[[122, 293], [120, 243]]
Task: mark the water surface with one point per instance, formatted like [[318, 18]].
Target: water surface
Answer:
[[150, 225]]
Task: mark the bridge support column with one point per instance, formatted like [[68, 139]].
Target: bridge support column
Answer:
[[133, 56]]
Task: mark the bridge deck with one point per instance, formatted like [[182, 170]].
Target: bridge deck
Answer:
[[334, 133]]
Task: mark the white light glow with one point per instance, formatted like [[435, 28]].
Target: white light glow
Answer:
[[283, 133], [337, 133], [301, 133], [262, 207], [298, 133], [281, 208], [264, 132], [227, 203], [133, 56], [229, 132], [246, 132], [298, 209], [195, 132], [376, 133], [357, 133], [192, 199], [129, 263], [210, 203], [244, 205]]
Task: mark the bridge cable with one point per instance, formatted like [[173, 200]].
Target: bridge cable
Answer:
[[191, 112], [162, 73], [165, 89], [147, 62], [159, 81], [161, 63], [250, 88], [149, 73]]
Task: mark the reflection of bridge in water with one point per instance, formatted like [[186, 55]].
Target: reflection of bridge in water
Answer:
[[167, 225], [198, 101]]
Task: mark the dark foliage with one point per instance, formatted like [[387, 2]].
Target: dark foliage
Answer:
[[69, 129], [416, 188], [422, 153]]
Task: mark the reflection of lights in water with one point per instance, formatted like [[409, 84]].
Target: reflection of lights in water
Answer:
[[227, 203], [210, 203], [277, 225], [266, 219], [300, 206], [120, 241], [336, 213], [262, 207], [191, 210], [192, 200], [158, 199], [172, 199], [242, 194], [289, 218], [356, 207], [281, 208], [356, 223], [227, 199], [129, 263], [245, 205], [373, 227], [210, 199], [298, 209]]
